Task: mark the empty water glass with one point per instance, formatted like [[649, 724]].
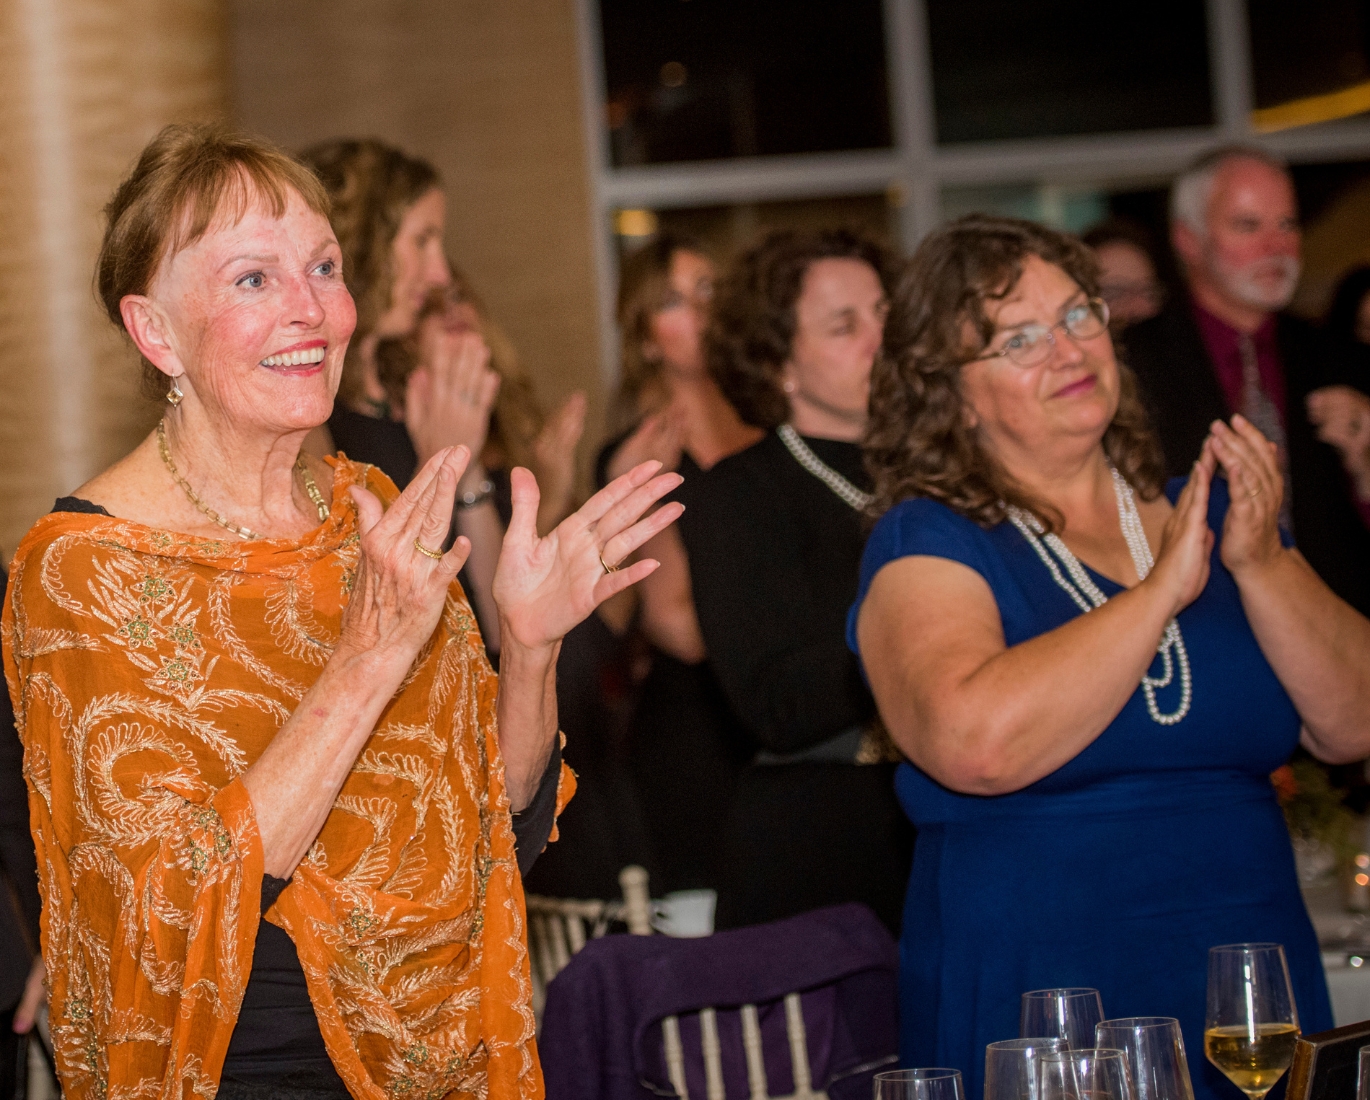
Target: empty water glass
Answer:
[[1068, 1014], [1363, 1078], [1154, 1050], [1011, 1067], [1091, 1074], [919, 1084]]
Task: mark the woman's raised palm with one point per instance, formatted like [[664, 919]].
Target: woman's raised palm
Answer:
[[545, 586]]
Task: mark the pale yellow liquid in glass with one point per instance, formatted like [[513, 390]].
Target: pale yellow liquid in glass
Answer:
[[1253, 1065]]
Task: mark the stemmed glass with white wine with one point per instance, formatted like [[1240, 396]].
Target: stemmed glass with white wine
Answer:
[[1253, 1024]]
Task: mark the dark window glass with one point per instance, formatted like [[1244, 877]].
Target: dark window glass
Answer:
[[705, 79], [1073, 208], [1009, 69], [1334, 204], [1300, 50], [724, 231]]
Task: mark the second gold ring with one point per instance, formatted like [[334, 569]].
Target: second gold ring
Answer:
[[436, 555], [607, 567]]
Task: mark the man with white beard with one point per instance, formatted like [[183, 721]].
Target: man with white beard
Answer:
[[1226, 348]]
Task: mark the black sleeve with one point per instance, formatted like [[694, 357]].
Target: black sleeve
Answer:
[[17, 857], [533, 824], [777, 645]]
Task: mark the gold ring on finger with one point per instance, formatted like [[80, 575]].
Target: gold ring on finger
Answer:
[[1254, 493], [607, 567], [436, 555]]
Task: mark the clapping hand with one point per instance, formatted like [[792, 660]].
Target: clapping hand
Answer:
[[554, 460], [449, 396], [1251, 532], [1187, 541], [659, 436], [545, 586], [1342, 417], [402, 576]]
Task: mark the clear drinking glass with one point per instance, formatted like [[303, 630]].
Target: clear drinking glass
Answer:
[[1363, 1077], [1068, 1014], [1252, 1024], [1011, 1067], [1153, 1048], [1094, 1073], [919, 1084]]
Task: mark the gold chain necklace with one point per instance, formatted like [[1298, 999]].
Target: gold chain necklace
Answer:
[[310, 487]]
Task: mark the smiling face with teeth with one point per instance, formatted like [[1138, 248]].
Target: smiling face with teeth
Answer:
[[253, 319]]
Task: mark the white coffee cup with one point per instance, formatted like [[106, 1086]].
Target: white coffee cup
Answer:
[[685, 913]]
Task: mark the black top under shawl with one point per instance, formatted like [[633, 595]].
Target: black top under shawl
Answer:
[[277, 1041]]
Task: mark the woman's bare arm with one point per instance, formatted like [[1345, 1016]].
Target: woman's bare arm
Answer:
[[396, 600], [1318, 645], [984, 718], [668, 610]]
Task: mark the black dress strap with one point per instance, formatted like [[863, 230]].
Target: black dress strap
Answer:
[[77, 504]]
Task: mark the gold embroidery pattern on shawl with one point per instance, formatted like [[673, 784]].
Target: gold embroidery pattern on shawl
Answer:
[[149, 670]]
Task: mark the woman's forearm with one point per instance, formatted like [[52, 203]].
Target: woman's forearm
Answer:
[[1319, 647], [295, 782], [668, 611], [527, 711]]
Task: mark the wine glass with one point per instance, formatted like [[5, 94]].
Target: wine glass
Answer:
[[1252, 1024], [1068, 1014], [1094, 1073], [919, 1084], [1011, 1067], [1153, 1048]]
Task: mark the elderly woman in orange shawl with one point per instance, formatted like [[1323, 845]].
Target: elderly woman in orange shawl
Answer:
[[275, 786]]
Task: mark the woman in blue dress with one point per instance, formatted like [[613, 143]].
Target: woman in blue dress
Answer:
[[1091, 790]]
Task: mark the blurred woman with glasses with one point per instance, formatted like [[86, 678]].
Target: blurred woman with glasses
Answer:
[[1092, 673], [1129, 280]]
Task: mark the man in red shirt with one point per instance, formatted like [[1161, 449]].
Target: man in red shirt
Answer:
[[1226, 348]]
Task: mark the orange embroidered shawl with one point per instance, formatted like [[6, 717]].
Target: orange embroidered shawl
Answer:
[[149, 670]]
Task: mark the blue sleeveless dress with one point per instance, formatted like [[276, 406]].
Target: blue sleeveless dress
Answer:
[[1123, 867]]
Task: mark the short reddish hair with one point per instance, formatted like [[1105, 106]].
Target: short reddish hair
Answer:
[[186, 177]]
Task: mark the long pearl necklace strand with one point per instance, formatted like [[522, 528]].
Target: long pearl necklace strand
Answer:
[[1087, 595], [804, 455]]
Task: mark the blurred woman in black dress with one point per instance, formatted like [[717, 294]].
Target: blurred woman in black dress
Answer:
[[774, 538], [686, 749]]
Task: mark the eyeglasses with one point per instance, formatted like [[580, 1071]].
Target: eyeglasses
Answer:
[[1031, 345]]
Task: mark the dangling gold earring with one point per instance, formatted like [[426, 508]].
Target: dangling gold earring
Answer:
[[174, 395]]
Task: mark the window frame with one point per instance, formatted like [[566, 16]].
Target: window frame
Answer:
[[916, 168]]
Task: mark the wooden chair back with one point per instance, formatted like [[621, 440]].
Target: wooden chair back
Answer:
[[559, 927]]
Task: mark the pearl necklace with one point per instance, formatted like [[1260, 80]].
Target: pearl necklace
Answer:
[[821, 470], [1087, 595]]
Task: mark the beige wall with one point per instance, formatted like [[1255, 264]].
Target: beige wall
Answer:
[[83, 85], [489, 92]]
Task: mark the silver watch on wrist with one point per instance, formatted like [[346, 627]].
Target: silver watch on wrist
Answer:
[[479, 495]]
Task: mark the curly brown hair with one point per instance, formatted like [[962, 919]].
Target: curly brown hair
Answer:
[[371, 186], [919, 442], [752, 326]]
